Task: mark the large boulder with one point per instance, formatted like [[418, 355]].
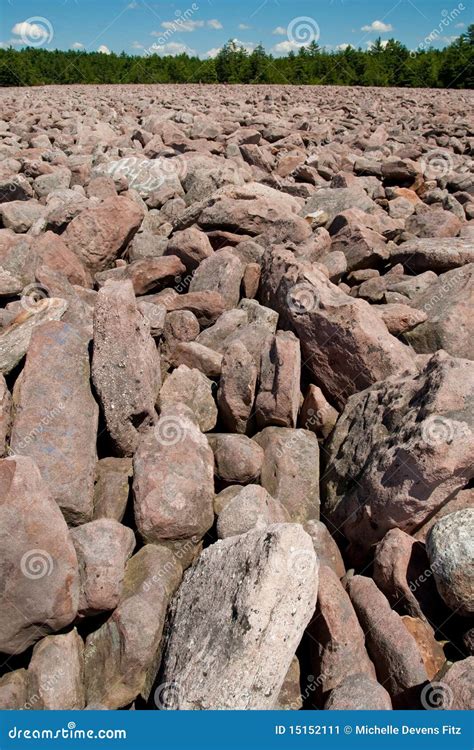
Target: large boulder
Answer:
[[344, 346], [237, 619], [39, 577], [56, 416], [400, 450], [125, 365], [56, 674], [392, 648], [450, 547], [290, 470], [173, 482], [98, 235], [103, 548], [123, 655], [448, 304], [337, 642]]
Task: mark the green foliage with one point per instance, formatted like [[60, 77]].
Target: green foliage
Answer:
[[384, 64]]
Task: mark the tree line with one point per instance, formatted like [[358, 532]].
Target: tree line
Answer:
[[384, 64]]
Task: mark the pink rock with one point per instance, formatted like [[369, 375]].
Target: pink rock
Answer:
[[278, 399], [103, 548], [125, 365], [56, 416], [56, 674], [237, 458], [13, 690], [237, 384], [39, 575], [359, 692], [290, 470], [191, 246], [391, 647], [317, 414], [250, 508], [173, 482], [122, 656], [98, 235]]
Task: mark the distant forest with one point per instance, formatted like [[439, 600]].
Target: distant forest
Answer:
[[384, 64]]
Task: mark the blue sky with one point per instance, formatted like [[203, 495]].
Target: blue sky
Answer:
[[201, 27]]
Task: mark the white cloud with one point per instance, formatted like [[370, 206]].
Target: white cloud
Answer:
[[243, 27], [383, 43], [77, 45], [104, 49], [213, 52], [459, 25], [180, 24], [449, 39], [137, 45], [171, 48], [214, 24], [342, 47], [133, 6], [280, 31], [378, 26], [289, 45]]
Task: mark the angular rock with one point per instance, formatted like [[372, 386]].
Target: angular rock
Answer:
[[39, 575], [433, 254], [250, 593], [237, 384], [391, 647], [192, 388], [325, 547], [112, 487], [56, 417], [330, 325], [278, 398], [173, 482], [122, 657], [448, 306], [125, 365], [317, 414], [221, 272], [400, 450], [290, 470], [250, 508], [457, 688], [15, 338], [103, 548], [197, 356], [98, 235], [56, 674], [431, 651], [337, 645]]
